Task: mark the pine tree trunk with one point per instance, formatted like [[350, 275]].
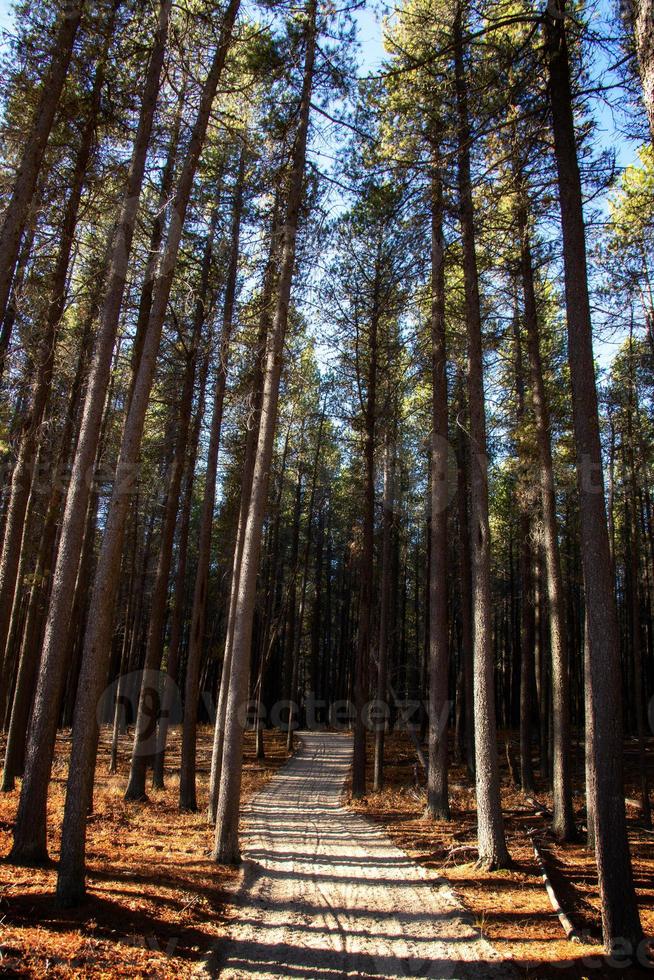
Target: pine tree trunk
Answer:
[[526, 625], [589, 742], [45, 357], [11, 312], [15, 216], [291, 625], [367, 556], [187, 794], [226, 844], [97, 640], [641, 16], [490, 825], [563, 816], [30, 843], [145, 726], [385, 608], [156, 241], [251, 442], [620, 918], [632, 523], [178, 603], [437, 788], [465, 582]]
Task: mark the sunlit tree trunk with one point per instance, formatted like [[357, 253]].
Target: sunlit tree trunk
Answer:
[[226, 842], [30, 830], [97, 639], [187, 794], [490, 825], [640, 17], [620, 918], [15, 215], [437, 791]]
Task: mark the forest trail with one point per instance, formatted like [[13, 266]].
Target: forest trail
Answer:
[[326, 894]]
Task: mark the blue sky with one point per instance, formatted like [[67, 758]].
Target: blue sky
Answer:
[[371, 54], [5, 15]]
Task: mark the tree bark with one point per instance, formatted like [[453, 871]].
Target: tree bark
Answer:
[[30, 843], [563, 817], [367, 557], [465, 580], [641, 17], [97, 640], [226, 843], [15, 216], [632, 523], [526, 626], [156, 241], [437, 772], [490, 825], [386, 598], [620, 918], [187, 793]]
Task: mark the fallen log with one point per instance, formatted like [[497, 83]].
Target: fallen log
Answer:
[[571, 933]]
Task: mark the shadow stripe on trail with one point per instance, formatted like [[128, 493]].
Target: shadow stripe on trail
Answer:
[[325, 894]]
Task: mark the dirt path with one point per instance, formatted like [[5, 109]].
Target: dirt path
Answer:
[[326, 894]]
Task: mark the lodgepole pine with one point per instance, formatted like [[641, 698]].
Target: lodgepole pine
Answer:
[[144, 731], [16, 212], [385, 606], [265, 325], [527, 618], [493, 852], [620, 918], [97, 640], [226, 848], [30, 843], [437, 792], [187, 790]]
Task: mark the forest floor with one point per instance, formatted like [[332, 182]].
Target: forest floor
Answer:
[[511, 908], [154, 892], [158, 904]]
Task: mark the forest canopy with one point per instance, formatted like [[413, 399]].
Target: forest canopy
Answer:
[[326, 376]]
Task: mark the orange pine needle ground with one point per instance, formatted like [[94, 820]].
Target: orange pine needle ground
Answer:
[[156, 899], [511, 908], [157, 903]]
